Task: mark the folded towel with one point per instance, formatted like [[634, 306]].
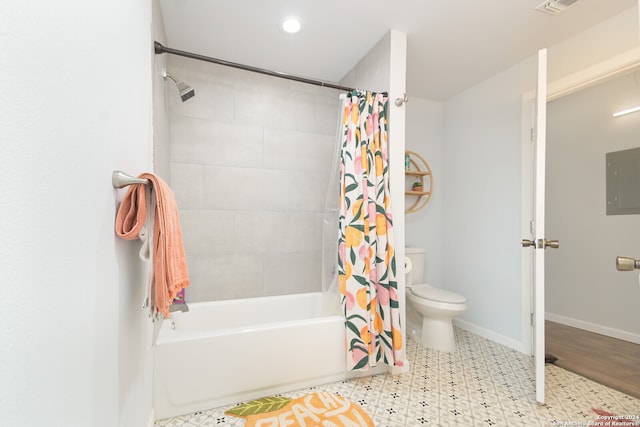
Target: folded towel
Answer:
[[170, 273]]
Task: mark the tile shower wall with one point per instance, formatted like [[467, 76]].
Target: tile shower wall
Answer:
[[250, 160]]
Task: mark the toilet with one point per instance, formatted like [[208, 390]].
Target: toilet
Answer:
[[437, 307]]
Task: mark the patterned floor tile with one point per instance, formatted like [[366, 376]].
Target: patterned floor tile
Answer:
[[482, 384]]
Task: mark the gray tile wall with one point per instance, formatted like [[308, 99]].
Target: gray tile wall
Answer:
[[250, 160]]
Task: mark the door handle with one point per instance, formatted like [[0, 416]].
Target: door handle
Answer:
[[625, 263], [543, 243], [528, 243]]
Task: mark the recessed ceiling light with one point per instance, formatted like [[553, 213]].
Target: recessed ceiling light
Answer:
[[291, 25]]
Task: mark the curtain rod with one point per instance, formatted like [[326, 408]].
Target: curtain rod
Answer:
[[159, 48]]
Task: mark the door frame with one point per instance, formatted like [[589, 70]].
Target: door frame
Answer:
[[556, 89]]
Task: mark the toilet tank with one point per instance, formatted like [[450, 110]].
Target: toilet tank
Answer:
[[416, 255]]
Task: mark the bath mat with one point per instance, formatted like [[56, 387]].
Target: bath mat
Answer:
[[315, 409]]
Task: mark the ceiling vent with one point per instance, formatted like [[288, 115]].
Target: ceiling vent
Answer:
[[554, 7]]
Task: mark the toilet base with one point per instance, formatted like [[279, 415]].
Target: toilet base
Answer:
[[437, 334]]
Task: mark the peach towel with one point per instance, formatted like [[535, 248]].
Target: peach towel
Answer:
[[170, 272]]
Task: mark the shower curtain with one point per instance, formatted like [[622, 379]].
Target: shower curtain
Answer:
[[366, 257]]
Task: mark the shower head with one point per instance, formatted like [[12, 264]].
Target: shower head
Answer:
[[186, 91]]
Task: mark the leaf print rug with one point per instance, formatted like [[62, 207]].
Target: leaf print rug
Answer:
[[320, 409]]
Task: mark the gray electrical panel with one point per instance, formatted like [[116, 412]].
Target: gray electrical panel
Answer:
[[623, 182]]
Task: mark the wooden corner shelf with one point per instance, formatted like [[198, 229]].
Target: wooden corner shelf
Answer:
[[418, 170]]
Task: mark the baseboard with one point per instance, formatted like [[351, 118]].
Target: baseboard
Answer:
[[592, 327], [490, 335]]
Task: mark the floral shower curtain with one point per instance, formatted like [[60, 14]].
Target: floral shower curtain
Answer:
[[366, 257]]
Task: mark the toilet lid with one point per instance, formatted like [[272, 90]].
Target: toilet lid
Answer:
[[437, 294]]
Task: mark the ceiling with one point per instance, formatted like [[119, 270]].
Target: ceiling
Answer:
[[451, 44]]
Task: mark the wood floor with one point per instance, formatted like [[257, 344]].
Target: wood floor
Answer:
[[609, 361]]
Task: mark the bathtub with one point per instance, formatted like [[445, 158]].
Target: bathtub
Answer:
[[224, 352]]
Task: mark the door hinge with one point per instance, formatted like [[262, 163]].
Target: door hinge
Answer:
[[532, 134], [533, 319]]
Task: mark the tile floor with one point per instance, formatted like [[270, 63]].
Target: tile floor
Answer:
[[482, 384]]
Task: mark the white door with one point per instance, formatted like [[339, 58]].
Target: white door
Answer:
[[537, 241], [538, 222]]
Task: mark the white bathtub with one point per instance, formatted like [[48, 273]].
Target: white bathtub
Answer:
[[224, 352]]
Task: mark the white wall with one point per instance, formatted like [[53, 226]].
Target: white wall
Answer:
[[161, 137], [584, 289], [372, 71], [75, 105], [481, 167], [613, 36], [481, 200], [424, 227]]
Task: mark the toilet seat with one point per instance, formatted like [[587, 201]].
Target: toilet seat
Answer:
[[436, 294]]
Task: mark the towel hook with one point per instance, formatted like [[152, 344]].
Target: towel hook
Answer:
[[120, 179]]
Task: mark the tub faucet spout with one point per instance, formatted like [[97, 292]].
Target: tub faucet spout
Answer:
[[183, 307]]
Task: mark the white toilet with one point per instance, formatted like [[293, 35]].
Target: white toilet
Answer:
[[436, 306]]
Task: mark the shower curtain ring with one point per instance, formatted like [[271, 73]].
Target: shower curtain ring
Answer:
[[400, 101]]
